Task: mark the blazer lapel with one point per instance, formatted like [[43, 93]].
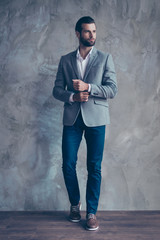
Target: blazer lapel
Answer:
[[74, 64], [89, 65], [92, 59]]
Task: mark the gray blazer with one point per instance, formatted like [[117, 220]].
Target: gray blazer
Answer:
[[100, 73]]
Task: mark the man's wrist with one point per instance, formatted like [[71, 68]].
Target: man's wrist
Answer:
[[73, 97]]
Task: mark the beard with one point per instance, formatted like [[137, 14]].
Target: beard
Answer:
[[87, 43]]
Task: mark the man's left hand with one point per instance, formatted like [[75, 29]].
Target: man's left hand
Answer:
[[79, 85]]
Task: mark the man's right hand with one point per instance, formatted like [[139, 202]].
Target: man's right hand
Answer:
[[81, 97]]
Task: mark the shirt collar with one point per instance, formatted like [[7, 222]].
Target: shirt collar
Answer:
[[79, 55]]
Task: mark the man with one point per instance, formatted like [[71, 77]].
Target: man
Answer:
[[85, 81]]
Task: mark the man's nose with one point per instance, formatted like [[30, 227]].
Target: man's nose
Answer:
[[91, 35]]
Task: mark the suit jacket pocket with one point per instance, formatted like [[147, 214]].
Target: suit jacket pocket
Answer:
[[100, 101]]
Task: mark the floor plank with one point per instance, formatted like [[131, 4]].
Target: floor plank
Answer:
[[114, 225]]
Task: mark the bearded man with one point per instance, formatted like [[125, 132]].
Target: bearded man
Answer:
[[85, 81]]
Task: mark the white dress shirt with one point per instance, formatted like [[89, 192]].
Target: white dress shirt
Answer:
[[81, 65], [82, 62]]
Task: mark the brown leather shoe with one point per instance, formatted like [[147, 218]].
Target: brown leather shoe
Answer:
[[92, 223], [75, 215]]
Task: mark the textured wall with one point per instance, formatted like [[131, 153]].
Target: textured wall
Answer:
[[33, 36]]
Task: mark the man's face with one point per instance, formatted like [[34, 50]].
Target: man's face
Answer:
[[87, 37]]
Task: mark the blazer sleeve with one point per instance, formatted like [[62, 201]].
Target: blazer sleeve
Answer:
[[108, 88], [59, 90]]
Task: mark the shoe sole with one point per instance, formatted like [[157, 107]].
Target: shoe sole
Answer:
[[92, 229], [75, 221]]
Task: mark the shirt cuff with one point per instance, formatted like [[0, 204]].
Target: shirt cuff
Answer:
[[89, 88], [71, 98]]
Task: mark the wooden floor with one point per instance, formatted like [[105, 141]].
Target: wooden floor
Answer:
[[114, 225]]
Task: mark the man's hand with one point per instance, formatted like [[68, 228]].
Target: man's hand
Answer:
[[79, 85], [81, 97]]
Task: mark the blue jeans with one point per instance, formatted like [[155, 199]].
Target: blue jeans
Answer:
[[72, 136]]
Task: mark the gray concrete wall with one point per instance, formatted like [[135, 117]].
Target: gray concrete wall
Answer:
[[33, 36]]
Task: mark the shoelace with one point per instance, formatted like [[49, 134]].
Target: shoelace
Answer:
[[75, 208], [90, 215]]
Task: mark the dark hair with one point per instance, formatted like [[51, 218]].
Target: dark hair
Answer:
[[82, 20]]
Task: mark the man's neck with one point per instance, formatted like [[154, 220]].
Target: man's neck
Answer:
[[84, 51]]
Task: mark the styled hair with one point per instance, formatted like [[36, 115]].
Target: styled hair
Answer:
[[82, 20]]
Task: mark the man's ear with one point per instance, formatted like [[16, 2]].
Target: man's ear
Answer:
[[78, 34]]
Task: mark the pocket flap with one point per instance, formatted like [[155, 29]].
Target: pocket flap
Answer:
[[101, 101]]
